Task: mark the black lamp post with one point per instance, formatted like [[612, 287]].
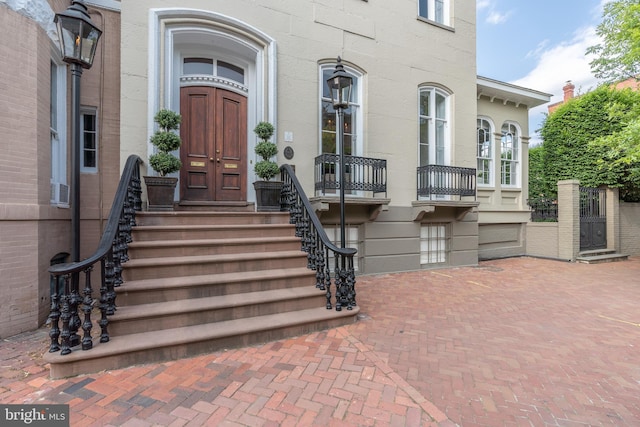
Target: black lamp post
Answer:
[[340, 84], [78, 38]]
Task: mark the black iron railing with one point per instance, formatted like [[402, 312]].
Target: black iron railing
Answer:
[[318, 246], [361, 174], [66, 300], [543, 210], [438, 180]]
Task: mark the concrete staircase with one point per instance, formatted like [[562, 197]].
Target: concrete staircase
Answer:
[[201, 281], [599, 256]]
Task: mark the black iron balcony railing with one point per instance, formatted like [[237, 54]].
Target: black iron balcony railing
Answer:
[[437, 181], [361, 174], [317, 245], [69, 298]]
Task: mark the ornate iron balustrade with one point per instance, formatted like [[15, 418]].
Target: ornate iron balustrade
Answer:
[[543, 210], [318, 246], [66, 301], [439, 180], [361, 174]]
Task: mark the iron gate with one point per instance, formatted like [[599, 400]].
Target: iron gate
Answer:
[[593, 218]]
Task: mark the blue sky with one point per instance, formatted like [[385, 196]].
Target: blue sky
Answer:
[[538, 44]]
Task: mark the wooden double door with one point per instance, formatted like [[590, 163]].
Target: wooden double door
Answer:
[[214, 145]]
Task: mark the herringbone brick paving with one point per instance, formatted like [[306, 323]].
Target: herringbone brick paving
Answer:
[[515, 342]]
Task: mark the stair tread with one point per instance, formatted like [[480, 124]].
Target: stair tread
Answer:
[[209, 226], [213, 302], [196, 259], [204, 242], [207, 213], [155, 339], [597, 252], [603, 256], [205, 279]]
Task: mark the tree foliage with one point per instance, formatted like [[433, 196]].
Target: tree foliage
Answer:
[[583, 140], [618, 55], [620, 162], [536, 173]]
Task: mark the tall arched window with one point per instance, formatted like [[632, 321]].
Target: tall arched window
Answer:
[[352, 115], [510, 155], [433, 115], [484, 151]]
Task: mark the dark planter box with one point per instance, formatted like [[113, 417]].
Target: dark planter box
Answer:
[[160, 191], [268, 195]]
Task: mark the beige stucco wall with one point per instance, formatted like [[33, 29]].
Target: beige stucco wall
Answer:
[[392, 242], [503, 211], [542, 239], [497, 198], [396, 51]]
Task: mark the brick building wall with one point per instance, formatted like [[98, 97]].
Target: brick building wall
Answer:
[[32, 231]]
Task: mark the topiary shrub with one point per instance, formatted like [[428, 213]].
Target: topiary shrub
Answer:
[[166, 140], [265, 169]]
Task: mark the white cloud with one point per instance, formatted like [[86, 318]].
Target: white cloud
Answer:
[[556, 65], [495, 17], [538, 50], [483, 4]]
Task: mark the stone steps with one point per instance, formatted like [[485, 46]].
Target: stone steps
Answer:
[[600, 256], [205, 281]]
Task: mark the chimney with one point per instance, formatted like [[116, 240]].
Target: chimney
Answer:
[[568, 90]]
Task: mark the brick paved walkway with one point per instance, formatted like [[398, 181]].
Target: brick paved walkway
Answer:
[[516, 342]]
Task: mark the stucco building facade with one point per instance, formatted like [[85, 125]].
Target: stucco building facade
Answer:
[[417, 104]]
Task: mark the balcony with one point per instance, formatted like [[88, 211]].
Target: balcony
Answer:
[[445, 186], [365, 180]]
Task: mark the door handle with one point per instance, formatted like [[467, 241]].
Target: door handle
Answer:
[[212, 159]]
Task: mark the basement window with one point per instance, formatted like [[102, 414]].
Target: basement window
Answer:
[[435, 244]]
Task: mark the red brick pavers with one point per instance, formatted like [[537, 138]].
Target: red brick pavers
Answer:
[[322, 379], [517, 342], [512, 342]]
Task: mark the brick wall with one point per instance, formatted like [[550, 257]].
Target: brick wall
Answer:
[[630, 228], [542, 239], [19, 165]]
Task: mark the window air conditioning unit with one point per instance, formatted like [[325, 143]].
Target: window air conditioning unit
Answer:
[[59, 193]]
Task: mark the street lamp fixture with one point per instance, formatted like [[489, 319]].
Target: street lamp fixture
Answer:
[[340, 84], [78, 37]]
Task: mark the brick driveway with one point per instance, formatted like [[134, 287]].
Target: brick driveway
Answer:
[[514, 342]]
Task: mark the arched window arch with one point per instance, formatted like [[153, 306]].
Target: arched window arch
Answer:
[[484, 151], [434, 118], [510, 155], [353, 140]]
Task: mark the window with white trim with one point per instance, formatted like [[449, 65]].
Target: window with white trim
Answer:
[[434, 10], [433, 116], [89, 140], [434, 243], [484, 132], [59, 194], [510, 155], [352, 115]]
